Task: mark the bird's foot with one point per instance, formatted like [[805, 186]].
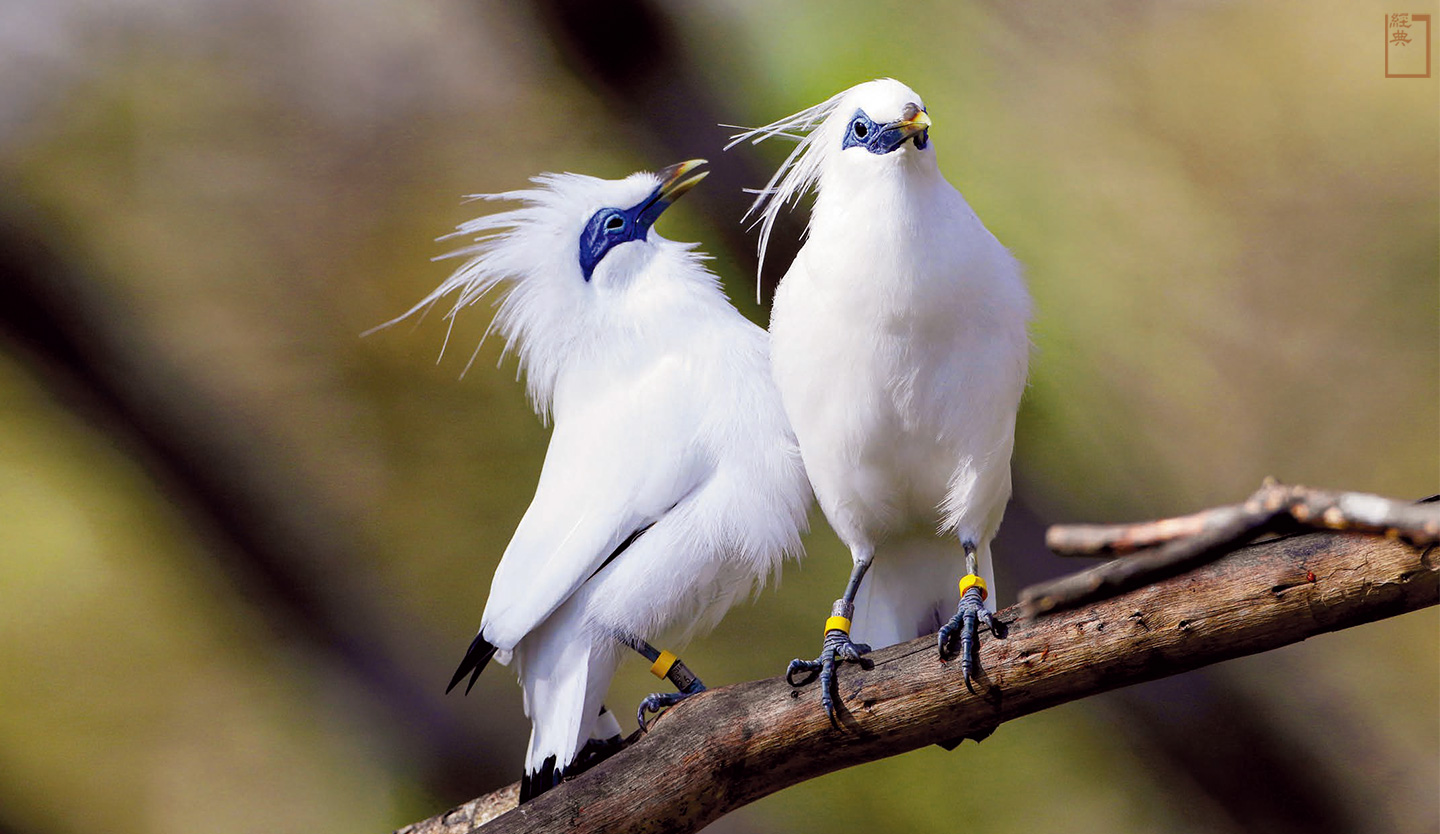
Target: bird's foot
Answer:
[[965, 627], [660, 701], [838, 646]]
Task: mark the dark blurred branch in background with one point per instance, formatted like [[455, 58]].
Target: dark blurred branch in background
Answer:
[[274, 535], [631, 55], [730, 746]]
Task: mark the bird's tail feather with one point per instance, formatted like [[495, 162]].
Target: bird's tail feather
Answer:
[[606, 726], [542, 779], [564, 683]]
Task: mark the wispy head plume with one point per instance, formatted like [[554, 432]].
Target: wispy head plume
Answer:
[[527, 255], [800, 170]]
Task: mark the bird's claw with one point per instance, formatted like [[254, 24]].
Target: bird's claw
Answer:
[[660, 701], [965, 627], [838, 646], [797, 665]]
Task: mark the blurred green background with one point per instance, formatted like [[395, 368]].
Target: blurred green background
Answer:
[[243, 547]]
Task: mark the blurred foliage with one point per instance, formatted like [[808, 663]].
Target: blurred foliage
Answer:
[[1230, 222]]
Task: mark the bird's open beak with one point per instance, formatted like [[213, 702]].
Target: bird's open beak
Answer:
[[912, 122], [675, 180]]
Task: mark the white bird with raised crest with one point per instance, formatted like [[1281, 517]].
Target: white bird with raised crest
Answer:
[[900, 345], [672, 486]]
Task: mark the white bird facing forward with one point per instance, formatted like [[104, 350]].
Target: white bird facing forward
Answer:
[[672, 485], [900, 347]]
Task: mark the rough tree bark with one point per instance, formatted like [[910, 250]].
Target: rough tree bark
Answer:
[[731, 746]]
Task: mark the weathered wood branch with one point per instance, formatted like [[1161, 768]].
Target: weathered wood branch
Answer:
[[731, 746], [1317, 509], [1181, 544]]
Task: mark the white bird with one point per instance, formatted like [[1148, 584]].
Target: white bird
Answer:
[[672, 485], [900, 345]]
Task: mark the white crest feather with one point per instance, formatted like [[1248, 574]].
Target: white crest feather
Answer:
[[798, 173], [819, 131], [529, 254]]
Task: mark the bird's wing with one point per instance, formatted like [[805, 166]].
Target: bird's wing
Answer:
[[612, 470]]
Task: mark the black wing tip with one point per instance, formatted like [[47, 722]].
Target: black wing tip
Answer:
[[479, 654]]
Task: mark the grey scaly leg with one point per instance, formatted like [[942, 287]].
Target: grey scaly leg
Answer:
[[837, 646], [968, 616], [668, 666]]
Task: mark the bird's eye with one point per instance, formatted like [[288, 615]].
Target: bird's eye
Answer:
[[615, 223], [860, 129]]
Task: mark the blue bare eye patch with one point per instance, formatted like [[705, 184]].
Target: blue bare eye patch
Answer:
[[877, 138], [610, 227]]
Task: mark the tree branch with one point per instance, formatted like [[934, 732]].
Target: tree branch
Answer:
[[1317, 509], [1181, 544], [728, 747]]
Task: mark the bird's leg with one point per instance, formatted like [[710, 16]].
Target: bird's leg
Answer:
[[837, 646], [965, 624], [665, 665]]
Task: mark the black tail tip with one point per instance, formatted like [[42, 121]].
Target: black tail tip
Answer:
[[479, 654], [542, 780], [595, 751]]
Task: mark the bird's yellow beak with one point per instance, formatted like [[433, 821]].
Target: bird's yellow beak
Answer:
[[676, 179], [913, 120]]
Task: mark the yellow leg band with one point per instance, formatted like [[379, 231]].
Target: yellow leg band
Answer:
[[970, 580], [837, 624], [661, 667]]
